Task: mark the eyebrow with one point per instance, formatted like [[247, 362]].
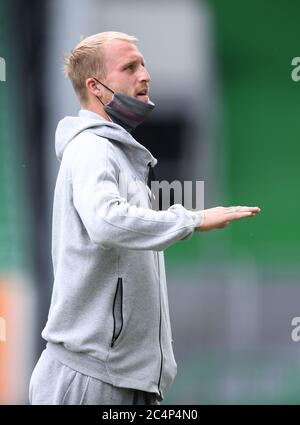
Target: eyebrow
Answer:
[[134, 61]]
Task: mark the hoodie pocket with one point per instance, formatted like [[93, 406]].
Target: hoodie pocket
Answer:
[[118, 311]]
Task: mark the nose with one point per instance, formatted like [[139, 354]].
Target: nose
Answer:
[[144, 75]]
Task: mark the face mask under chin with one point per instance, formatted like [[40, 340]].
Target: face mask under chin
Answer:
[[126, 111]]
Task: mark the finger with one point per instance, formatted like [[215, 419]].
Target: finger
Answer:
[[239, 215], [225, 224], [221, 226], [230, 210], [252, 209], [254, 213], [239, 208], [246, 214]]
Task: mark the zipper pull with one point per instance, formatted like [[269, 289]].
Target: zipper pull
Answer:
[[151, 178]]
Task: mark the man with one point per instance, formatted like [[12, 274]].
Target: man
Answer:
[[108, 331]]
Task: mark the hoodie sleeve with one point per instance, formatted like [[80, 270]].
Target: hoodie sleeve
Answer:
[[108, 218]]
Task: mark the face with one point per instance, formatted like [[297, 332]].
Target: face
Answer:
[[126, 72]]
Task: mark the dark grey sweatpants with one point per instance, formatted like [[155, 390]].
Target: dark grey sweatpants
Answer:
[[55, 383]]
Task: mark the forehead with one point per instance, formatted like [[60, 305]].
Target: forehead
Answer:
[[118, 52]]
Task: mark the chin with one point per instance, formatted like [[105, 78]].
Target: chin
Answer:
[[144, 99]]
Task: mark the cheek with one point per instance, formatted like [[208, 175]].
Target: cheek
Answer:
[[123, 83], [126, 87]]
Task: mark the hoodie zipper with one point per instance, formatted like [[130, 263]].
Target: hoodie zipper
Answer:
[[160, 346], [161, 354], [149, 180], [119, 288]]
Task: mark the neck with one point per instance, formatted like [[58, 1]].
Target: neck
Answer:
[[97, 109]]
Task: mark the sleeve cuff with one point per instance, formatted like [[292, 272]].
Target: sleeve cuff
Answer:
[[197, 218]]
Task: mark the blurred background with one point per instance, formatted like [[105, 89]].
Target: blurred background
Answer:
[[227, 112]]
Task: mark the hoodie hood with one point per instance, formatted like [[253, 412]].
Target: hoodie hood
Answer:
[[70, 127]]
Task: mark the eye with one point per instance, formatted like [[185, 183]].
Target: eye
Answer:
[[131, 67]]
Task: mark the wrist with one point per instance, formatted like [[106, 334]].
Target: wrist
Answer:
[[199, 219]]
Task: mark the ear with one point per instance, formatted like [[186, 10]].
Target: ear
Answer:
[[93, 87]]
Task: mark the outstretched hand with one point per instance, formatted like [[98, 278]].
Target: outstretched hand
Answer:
[[220, 217]]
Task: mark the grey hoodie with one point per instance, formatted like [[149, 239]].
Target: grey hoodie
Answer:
[[109, 315]]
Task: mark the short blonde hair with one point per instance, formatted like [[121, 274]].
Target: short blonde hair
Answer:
[[88, 59]]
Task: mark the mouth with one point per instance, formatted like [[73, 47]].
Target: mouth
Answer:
[[142, 95]]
